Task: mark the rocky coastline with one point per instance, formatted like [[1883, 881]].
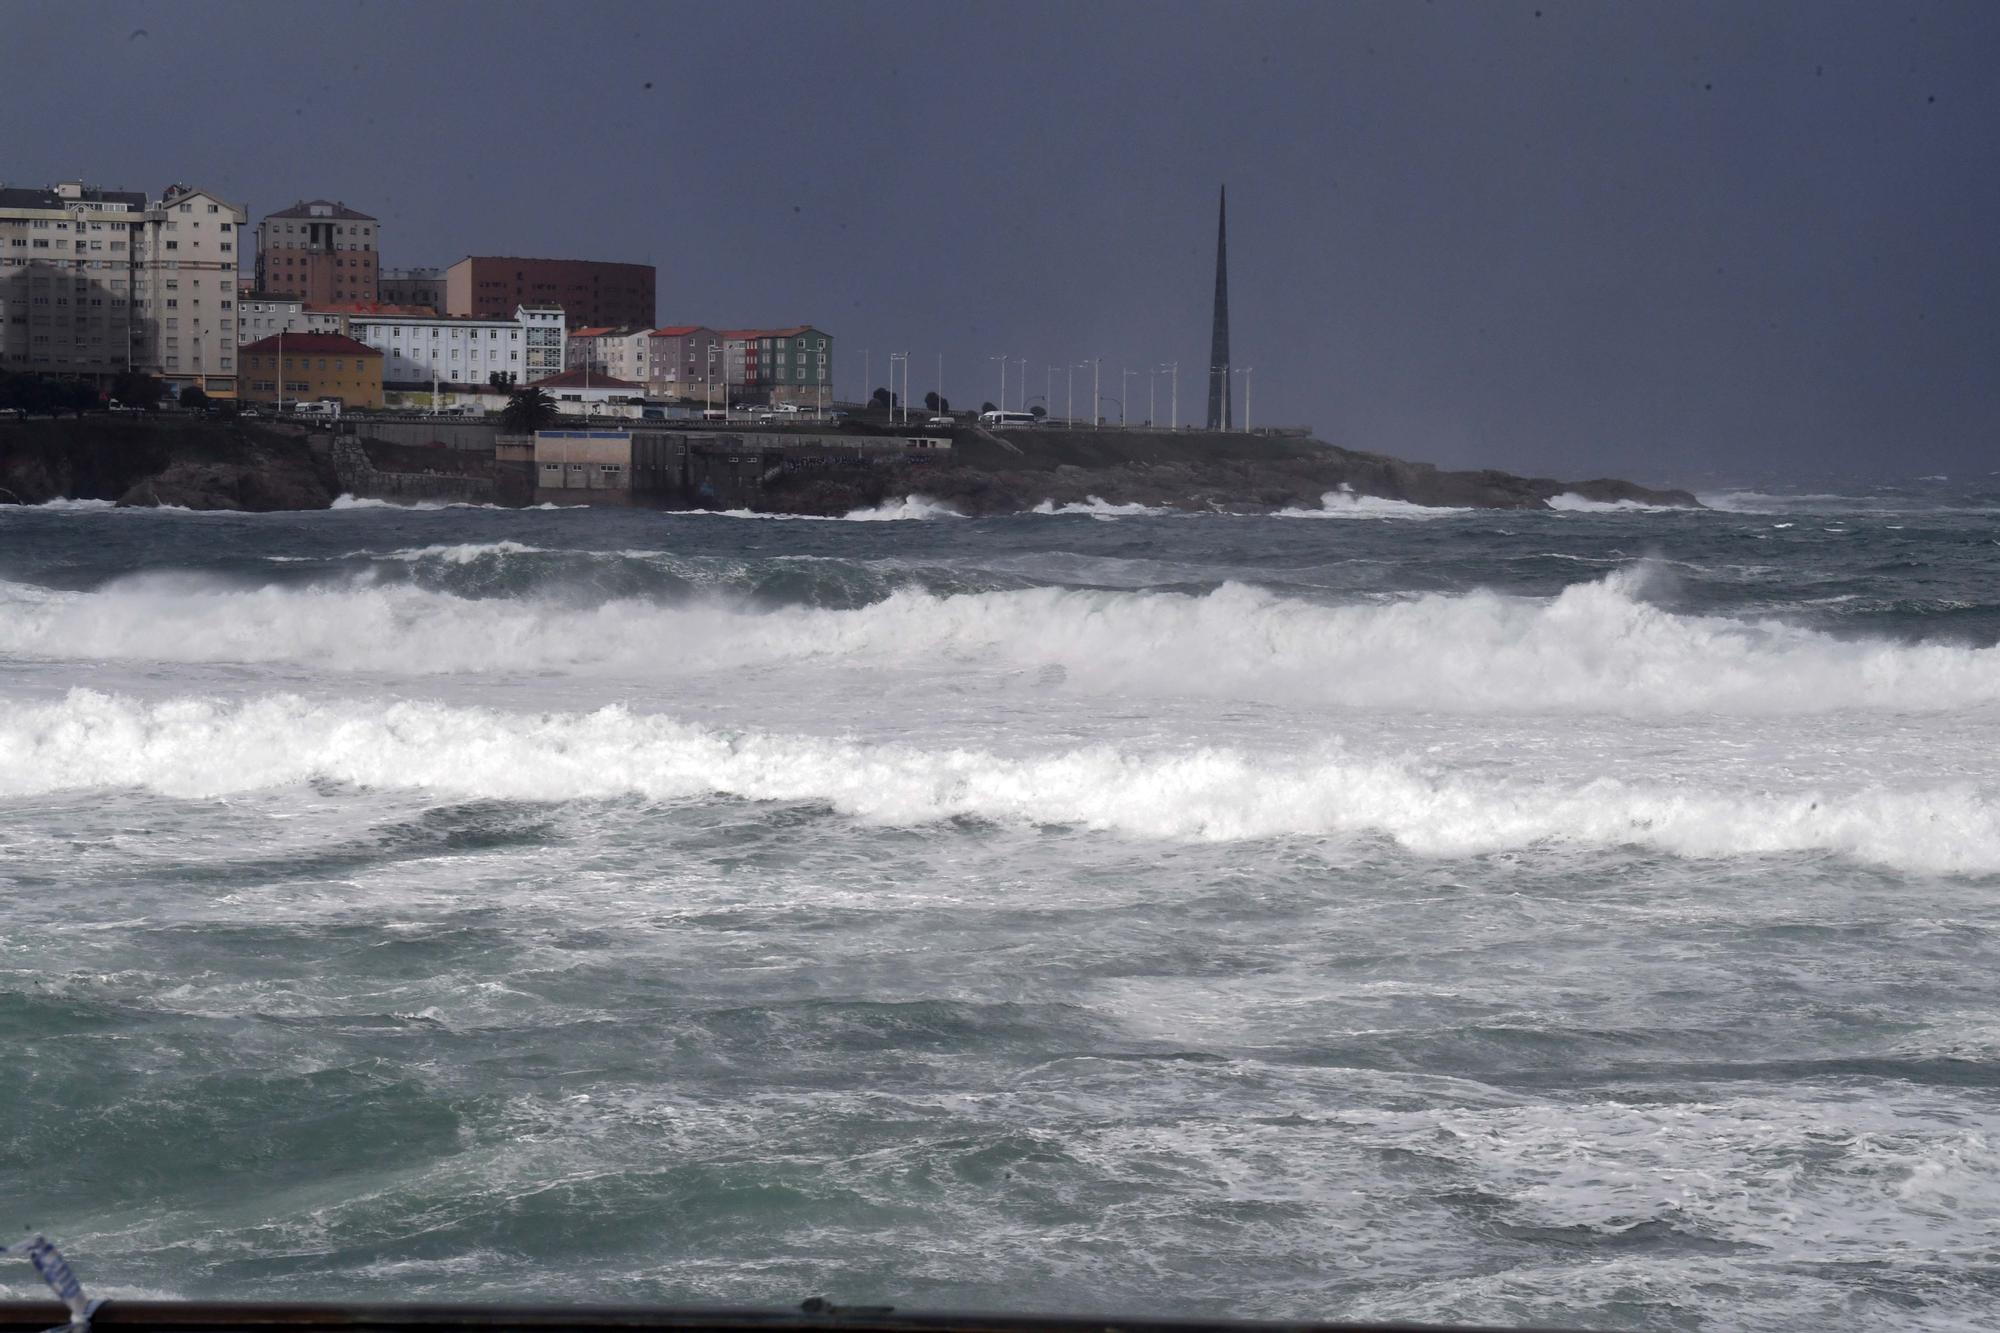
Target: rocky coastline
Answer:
[[224, 464]]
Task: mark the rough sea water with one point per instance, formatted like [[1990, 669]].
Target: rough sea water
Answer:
[[1588, 917]]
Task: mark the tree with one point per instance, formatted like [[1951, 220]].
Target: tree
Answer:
[[500, 379], [527, 411], [931, 402], [194, 399], [988, 407], [135, 388], [883, 398], [1038, 411]]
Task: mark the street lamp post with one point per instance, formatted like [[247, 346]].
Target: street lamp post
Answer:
[[1152, 380], [866, 392], [1021, 387], [1048, 386], [1096, 401], [711, 374], [1173, 370], [1002, 359], [1069, 412], [1245, 373], [1123, 393], [940, 382]]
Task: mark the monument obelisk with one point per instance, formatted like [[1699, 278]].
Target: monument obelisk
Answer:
[[1219, 405]]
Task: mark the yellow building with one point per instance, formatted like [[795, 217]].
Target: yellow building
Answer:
[[316, 366]]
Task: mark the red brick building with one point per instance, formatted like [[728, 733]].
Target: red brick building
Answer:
[[589, 291], [320, 252]]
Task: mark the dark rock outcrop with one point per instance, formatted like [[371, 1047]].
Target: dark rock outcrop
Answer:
[[992, 474], [193, 462]]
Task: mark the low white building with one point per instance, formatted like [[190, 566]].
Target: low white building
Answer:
[[586, 393], [419, 350]]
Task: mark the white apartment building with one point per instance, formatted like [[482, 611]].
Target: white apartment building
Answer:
[[418, 350], [187, 267], [94, 283]]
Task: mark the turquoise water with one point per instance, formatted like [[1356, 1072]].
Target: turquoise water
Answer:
[[1584, 917]]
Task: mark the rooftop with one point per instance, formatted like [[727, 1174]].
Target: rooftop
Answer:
[[584, 379], [29, 197], [321, 208], [307, 344], [535, 259], [377, 308]]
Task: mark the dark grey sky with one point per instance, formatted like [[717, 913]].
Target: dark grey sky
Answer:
[[1678, 241]]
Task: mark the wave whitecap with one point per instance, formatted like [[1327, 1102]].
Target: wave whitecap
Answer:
[[202, 749], [1596, 647], [1344, 503]]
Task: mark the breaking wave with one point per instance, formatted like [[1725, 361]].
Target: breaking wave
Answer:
[[1344, 503], [197, 748], [1097, 507], [1596, 647], [911, 507], [1569, 502]]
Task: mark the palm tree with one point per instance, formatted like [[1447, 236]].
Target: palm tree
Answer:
[[527, 411]]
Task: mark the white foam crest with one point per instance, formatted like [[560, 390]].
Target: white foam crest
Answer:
[[198, 748], [1344, 503], [461, 553], [1098, 507], [1596, 647], [61, 503], [1570, 503], [347, 501], [911, 507]]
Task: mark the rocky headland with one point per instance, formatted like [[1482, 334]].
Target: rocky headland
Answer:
[[220, 463], [1007, 473]]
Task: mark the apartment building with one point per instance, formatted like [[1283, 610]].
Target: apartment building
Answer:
[[187, 264], [679, 360], [263, 314], [412, 287], [789, 365], [67, 308], [418, 350], [592, 293], [293, 366], [95, 283], [321, 251]]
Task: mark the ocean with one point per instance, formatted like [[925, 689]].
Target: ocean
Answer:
[[1584, 917]]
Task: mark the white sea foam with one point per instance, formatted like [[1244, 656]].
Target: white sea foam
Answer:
[[461, 553], [86, 506], [1596, 647], [1344, 503], [912, 507], [1571, 503], [198, 748], [347, 501], [1097, 507]]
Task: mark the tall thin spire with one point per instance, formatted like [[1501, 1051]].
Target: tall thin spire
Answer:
[[1220, 415]]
